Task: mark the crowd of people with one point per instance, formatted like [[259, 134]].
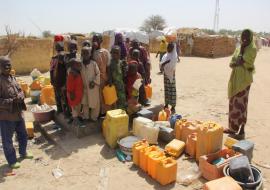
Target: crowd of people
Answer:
[[79, 78], [78, 82]]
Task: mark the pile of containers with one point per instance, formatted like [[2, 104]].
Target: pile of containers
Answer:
[[153, 161]]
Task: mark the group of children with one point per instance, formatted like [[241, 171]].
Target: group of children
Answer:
[[79, 80]]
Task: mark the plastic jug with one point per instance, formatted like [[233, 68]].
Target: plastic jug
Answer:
[[138, 123], [162, 116], [191, 145], [29, 129], [148, 91], [173, 119], [229, 142], [144, 156], [245, 147], [153, 159], [115, 126], [47, 95], [175, 148], [137, 147], [209, 139], [224, 183], [166, 171], [109, 94], [145, 129], [36, 85], [183, 128]]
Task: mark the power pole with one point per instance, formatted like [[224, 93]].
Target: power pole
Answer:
[[216, 17]]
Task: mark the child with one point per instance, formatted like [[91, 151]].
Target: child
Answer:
[[168, 65], [135, 58], [58, 75], [75, 89], [91, 85], [132, 93], [115, 73]]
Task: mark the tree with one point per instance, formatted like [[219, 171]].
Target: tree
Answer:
[[153, 22], [47, 33], [10, 42]]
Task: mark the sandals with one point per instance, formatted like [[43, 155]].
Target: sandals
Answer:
[[228, 131]]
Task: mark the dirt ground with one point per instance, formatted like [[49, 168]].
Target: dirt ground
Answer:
[[88, 163]]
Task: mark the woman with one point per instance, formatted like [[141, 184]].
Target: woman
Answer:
[[168, 65], [243, 68], [119, 41], [115, 71]]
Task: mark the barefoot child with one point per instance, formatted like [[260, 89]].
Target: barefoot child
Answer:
[[91, 85], [75, 89]]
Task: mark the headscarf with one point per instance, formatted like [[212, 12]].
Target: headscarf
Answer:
[[122, 45], [242, 76], [169, 68]]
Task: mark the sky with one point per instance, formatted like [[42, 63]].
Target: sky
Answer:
[[84, 16]]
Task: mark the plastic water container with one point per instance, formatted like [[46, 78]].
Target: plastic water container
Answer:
[[224, 183], [115, 126], [137, 147], [166, 171], [153, 159], [148, 91], [166, 134], [145, 113], [162, 116], [191, 145], [47, 95], [175, 148], [109, 94], [144, 156], [245, 147], [240, 170], [145, 129], [209, 139], [184, 128], [173, 119], [29, 129]]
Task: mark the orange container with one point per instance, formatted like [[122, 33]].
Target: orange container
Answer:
[[168, 112], [153, 159], [175, 148], [162, 115], [148, 91], [211, 171], [144, 156], [109, 94], [166, 171], [209, 139], [225, 183], [191, 145], [184, 128], [29, 129], [47, 95], [136, 148]]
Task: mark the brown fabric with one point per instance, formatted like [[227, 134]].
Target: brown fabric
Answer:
[[238, 105], [9, 90]]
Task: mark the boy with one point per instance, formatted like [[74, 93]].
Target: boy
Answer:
[[91, 82]]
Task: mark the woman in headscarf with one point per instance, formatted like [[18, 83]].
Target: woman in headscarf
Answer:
[[116, 75], [168, 65], [119, 41], [242, 65]]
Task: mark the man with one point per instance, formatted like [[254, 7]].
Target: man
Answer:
[[102, 58], [11, 116]]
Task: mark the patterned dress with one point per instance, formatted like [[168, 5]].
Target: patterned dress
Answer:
[[116, 77]]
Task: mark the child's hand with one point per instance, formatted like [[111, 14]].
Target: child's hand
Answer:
[[91, 84], [72, 95]]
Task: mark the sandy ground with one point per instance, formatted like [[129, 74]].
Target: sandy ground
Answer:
[[88, 163]]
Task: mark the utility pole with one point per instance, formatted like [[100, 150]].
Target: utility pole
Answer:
[[216, 17]]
